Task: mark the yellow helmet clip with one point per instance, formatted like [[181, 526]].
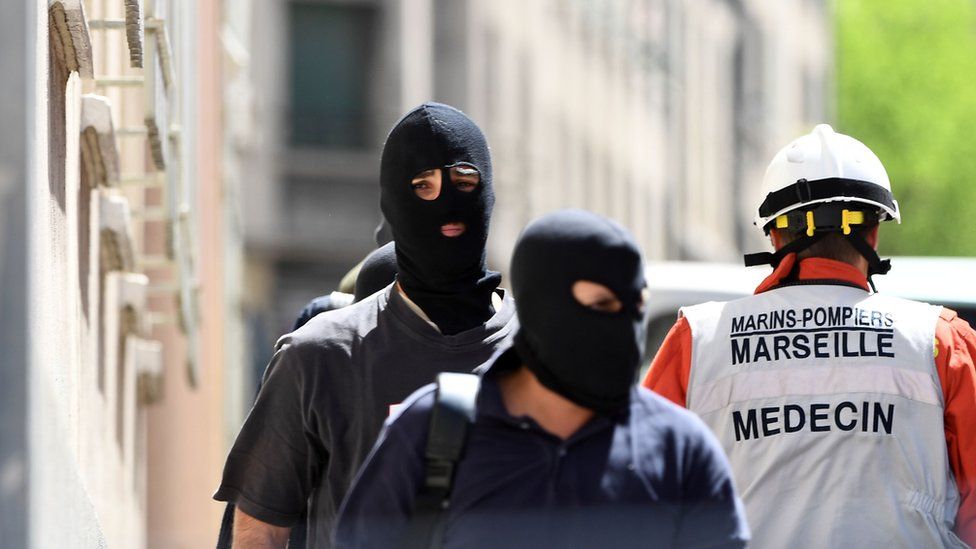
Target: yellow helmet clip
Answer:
[[848, 218]]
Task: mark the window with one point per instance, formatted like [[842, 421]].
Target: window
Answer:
[[331, 59]]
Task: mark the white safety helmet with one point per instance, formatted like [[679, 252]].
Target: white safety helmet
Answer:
[[821, 167]]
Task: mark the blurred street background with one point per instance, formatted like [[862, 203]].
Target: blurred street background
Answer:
[[179, 177]]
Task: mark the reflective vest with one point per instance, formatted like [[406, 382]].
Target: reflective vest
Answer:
[[828, 403]]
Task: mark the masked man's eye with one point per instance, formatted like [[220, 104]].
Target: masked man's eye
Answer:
[[465, 178], [596, 296], [426, 184]]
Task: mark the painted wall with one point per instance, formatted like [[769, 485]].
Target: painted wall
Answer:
[[83, 476], [187, 444], [112, 407]]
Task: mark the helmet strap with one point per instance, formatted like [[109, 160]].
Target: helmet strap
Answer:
[[876, 265], [774, 258]]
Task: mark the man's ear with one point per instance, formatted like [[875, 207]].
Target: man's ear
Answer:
[[776, 238]]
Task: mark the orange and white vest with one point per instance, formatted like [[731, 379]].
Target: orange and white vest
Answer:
[[827, 400]]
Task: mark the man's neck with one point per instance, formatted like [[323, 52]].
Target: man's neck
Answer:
[[496, 304], [523, 395], [414, 307], [860, 263]]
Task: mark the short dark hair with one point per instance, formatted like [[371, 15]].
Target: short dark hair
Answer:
[[832, 246]]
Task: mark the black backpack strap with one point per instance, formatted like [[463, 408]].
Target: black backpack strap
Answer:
[[451, 417]]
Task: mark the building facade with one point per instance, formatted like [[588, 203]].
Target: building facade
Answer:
[[114, 239], [660, 113]]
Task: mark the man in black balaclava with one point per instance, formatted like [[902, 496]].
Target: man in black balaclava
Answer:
[[564, 450], [436, 193], [333, 382], [585, 248]]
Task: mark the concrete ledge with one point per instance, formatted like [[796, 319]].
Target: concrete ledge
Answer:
[[117, 250], [132, 293], [73, 42], [159, 80], [124, 305], [165, 53], [156, 103], [147, 359], [125, 297], [156, 139], [135, 33], [188, 309], [99, 154]]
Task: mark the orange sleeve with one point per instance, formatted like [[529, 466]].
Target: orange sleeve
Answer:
[[671, 366], [956, 348]]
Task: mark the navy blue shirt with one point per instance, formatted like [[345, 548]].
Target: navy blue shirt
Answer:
[[654, 476]]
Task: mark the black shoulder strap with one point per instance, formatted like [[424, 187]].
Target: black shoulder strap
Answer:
[[452, 415]]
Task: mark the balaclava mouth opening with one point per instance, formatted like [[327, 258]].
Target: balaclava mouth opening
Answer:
[[588, 356], [445, 276]]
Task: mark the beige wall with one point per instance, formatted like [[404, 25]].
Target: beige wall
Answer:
[[126, 278], [186, 441], [86, 427], [56, 477]]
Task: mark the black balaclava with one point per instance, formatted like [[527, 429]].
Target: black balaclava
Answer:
[[377, 272], [587, 356], [445, 276]]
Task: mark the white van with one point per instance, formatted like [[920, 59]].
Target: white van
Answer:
[[947, 281]]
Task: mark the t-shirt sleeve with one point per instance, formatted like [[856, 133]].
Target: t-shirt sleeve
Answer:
[[276, 460], [712, 514], [671, 367], [955, 354], [377, 508]]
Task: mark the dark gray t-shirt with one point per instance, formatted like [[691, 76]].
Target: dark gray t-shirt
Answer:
[[325, 395]]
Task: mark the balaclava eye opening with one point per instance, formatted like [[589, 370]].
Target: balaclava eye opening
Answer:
[[588, 356], [445, 276]]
